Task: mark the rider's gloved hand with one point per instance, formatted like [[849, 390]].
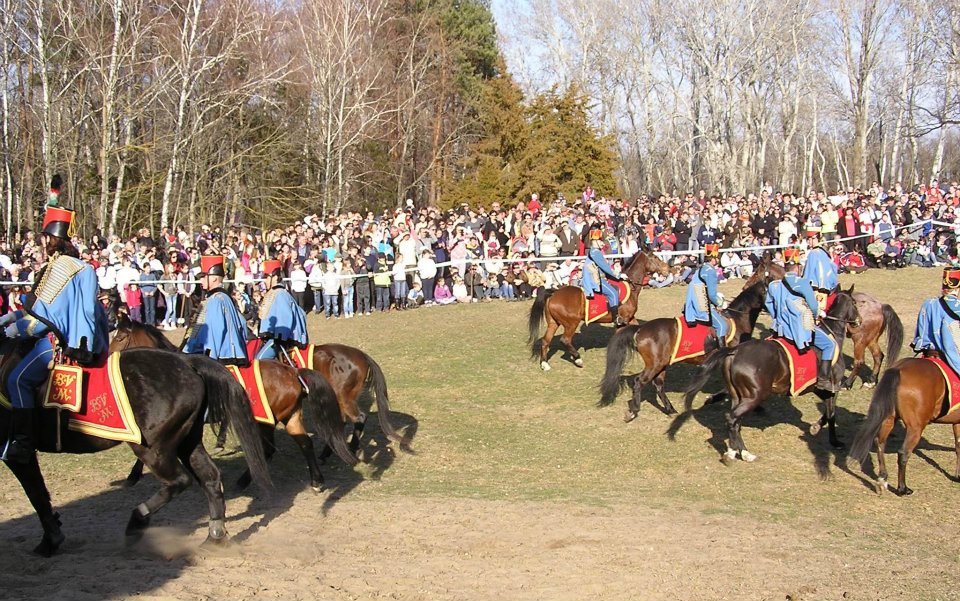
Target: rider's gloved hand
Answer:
[[12, 331]]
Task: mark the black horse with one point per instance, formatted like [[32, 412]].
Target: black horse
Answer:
[[757, 369], [169, 395]]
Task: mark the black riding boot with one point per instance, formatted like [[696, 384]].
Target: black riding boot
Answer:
[[823, 377], [22, 436]]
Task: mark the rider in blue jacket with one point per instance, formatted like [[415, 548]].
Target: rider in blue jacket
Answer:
[[218, 329], [821, 272], [282, 320], [703, 302], [64, 312], [595, 266], [792, 304], [940, 329]]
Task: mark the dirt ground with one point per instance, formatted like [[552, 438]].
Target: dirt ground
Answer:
[[521, 488]]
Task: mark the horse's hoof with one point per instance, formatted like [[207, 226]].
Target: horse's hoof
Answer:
[[869, 385], [578, 362], [49, 544], [881, 485], [730, 455], [629, 416], [223, 542], [129, 482], [902, 492], [137, 523], [815, 428], [317, 488], [747, 456], [544, 366]]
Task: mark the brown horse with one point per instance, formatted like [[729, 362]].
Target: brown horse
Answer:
[[655, 341], [290, 404], [350, 371], [912, 390], [757, 369], [876, 318], [565, 307]]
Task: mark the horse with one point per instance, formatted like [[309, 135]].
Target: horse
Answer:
[[756, 369], [565, 307], [655, 341], [290, 404], [876, 318], [169, 395], [912, 390]]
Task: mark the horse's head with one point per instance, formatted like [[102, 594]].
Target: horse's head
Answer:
[[843, 312], [130, 334], [766, 272], [643, 263]]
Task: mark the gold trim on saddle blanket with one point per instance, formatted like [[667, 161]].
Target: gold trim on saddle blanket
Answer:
[[793, 390], [946, 385], [233, 369], [304, 355], [586, 304], [731, 333], [131, 431], [65, 385]]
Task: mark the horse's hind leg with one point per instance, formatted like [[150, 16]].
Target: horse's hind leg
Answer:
[[221, 435], [567, 338], [668, 407], [910, 442], [736, 446], [878, 358], [829, 418], [31, 479], [299, 435], [201, 466], [552, 326], [135, 475], [885, 428], [858, 352], [168, 470]]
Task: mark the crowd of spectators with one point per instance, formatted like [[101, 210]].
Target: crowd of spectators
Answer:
[[354, 264]]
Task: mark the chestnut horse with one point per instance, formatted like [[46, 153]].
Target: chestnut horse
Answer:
[[876, 318], [285, 394], [655, 341], [565, 307], [912, 390], [757, 369]]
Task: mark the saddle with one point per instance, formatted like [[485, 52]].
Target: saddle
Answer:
[[802, 363], [951, 400], [692, 338], [597, 307]]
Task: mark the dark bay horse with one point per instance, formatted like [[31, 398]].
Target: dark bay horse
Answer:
[[565, 307], [757, 369], [876, 318], [169, 395], [289, 403], [655, 341], [912, 390]]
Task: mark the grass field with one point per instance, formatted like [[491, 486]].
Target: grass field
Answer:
[[494, 434]]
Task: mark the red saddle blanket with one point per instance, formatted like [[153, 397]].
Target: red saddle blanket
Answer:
[[96, 399], [691, 339], [302, 358], [596, 307], [252, 382], [803, 365], [952, 399]]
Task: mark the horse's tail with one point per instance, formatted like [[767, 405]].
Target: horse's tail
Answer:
[[706, 369], [882, 406], [620, 349], [537, 312], [323, 412], [894, 333], [379, 382], [224, 395]]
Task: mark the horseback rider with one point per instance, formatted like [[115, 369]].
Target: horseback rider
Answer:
[[282, 320], [938, 324], [218, 328], [821, 272], [704, 302], [792, 304], [595, 266], [64, 312]]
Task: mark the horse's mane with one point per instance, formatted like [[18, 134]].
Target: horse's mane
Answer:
[[751, 296], [839, 328], [155, 334]]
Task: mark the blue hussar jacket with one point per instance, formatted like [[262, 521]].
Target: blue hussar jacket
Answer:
[[701, 294], [792, 304], [945, 329], [66, 299], [931, 312], [281, 318], [820, 270], [596, 257], [220, 330]]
